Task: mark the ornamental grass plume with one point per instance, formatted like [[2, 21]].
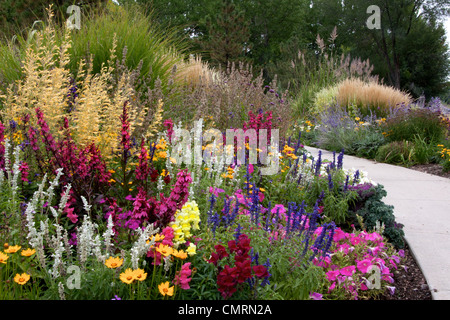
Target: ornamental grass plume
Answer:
[[45, 78]]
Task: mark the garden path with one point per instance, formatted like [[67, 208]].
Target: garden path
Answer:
[[422, 204]]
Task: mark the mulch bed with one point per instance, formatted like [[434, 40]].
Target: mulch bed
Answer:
[[410, 283], [433, 168]]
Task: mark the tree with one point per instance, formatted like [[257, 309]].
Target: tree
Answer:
[[397, 48], [17, 16], [227, 35]]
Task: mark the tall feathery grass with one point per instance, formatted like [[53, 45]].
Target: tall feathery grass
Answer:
[[370, 97]]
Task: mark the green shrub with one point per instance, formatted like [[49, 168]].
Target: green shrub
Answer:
[[424, 152], [158, 50], [375, 212], [409, 123], [369, 144], [397, 152]]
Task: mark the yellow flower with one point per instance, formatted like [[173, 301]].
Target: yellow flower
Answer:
[[3, 257], [28, 252], [157, 237], [113, 262], [357, 119], [162, 154], [128, 276], [165, 250], [12, 249], [140, 274], [164, 289], [112, 181], [21, 278], [111, 171], [191, 249]]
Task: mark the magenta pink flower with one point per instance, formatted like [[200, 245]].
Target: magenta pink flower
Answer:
[[338, 235], [355, 240], [332, 275], [23, 168], [315, 296], [182, 277], [348, 271], [363, 265], [215, 191]]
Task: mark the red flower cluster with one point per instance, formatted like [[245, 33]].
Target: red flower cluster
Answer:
[[258, 122], [177, 198], [169, 125], [83, 168], [229, 278], [148, 210]]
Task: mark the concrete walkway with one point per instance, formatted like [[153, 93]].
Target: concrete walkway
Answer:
[[422, 204]]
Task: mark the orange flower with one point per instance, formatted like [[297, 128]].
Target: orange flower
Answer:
[[179, 254], [113, 262], [28, 252], [140, 274], [128, 276], [3, 257], [12, 249], [165, 250], [164, 289], [22, 278]]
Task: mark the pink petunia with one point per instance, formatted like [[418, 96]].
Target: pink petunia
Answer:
[[364, 265], [338, 235], [315, 296], [332, 275], [348, 271]]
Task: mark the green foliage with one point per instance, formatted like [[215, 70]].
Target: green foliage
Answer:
[[407, 124], [375, 212], [147, 46], [424, 152], [397, 152], [369, 143]]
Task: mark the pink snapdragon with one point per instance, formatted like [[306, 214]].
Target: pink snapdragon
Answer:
[[182, 277]]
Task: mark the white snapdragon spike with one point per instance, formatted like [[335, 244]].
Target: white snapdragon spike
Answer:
[[160, 184], [51, 189], [141, 246], [167, 263], [97, 249], [197, 132], [84, 239], [86, 205], [2, 177], [7, 145], [15, 171], [54, 212], [64, 199], [58, 246], [107, 236], [61, 293]]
